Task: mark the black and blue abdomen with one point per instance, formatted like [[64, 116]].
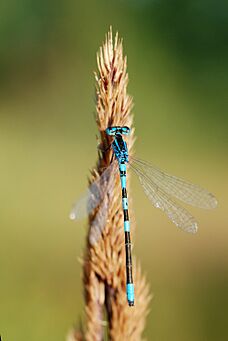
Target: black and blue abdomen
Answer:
[[120, 150]]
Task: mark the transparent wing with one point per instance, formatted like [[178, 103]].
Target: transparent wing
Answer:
[[183, 190], [99, 222], [177, 214], [94, 195]]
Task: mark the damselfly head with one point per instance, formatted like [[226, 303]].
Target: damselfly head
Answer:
[[117, 130]]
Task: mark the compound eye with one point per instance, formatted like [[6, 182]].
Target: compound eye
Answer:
[[111, 130], [126, 130]]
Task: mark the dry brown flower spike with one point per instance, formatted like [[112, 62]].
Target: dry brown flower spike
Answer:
[[104, 259]]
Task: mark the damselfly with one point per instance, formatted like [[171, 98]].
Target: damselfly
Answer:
[[159, 186]]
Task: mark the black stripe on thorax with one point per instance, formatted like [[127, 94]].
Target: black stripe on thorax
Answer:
[[122, 173]]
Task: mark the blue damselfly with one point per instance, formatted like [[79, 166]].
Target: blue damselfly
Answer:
[[159, 186]]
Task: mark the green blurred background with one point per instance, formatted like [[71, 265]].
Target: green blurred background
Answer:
[[178, 68]]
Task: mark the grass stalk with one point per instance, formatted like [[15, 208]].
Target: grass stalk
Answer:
[[104, 259]]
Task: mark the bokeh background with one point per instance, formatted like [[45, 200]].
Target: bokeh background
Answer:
[[178, 68]]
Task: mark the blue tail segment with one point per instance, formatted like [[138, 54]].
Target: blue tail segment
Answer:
[[130, 294], [126, 226]]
